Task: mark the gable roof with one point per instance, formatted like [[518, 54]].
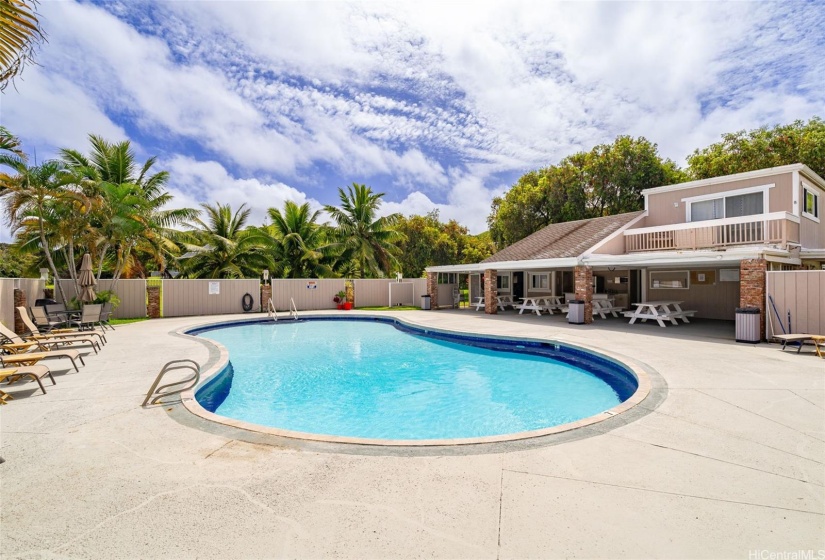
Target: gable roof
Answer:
[[566, 239]]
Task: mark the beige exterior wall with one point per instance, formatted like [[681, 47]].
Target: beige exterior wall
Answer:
[[710, 301], [305, 298], [801, 292], [661, 209], [445, 294], [376, 292], [191, 297], [812, 233]]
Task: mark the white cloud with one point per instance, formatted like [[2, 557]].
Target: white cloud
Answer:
[[194, 182], [434, 99]]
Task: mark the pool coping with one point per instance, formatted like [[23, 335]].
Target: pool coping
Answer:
[[216, 366]]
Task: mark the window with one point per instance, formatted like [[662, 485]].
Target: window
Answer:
[[810, 203], [503, 283], [447, 278], [539, 281], [727, 207]]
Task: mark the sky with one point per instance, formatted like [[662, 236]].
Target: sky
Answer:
[[440, 105]]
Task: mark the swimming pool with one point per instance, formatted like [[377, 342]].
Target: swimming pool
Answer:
[[378, 379]]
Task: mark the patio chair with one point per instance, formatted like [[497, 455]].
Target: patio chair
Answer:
[[36, 373], [58, 333], [456, 297], [44, 322], [59, 312], [90, 316], [105, 315], [31, 357], [44, 342]]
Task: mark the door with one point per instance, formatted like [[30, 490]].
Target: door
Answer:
[[518, 285]]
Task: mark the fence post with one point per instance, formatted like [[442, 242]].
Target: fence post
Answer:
[[266, 295], [19, 301], [153, 299]]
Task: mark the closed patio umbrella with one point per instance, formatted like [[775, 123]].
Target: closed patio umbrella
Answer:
[[86, 280]]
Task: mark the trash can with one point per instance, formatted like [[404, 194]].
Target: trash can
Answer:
[[425, 302], [575, 314], [747, 325]]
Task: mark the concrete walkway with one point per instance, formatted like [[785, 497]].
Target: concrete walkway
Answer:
[[730, 464]]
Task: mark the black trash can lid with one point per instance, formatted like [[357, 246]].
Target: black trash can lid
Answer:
[[748, 310], [426, 295], [576, 301]]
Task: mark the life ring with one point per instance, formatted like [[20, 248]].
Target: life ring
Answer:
[[246, 302]]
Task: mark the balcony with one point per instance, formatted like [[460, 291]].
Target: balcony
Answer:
[[778, 228]]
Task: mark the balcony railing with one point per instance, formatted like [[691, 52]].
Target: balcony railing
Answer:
[[777, 228]]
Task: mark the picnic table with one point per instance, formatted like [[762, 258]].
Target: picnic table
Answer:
[[660, 311], [530, 304], [503, 302]]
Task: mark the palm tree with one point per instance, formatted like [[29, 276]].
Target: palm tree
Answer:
[[20, 34], [221, 247], [368, 239], [29, 196], [301, 247], [129, 195]]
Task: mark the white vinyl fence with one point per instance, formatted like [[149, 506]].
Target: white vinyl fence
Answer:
[[208, 297], [308, 293], [132, 294], [389, 292], [796, 297]]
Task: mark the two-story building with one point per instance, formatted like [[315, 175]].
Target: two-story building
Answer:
[[707, 243]]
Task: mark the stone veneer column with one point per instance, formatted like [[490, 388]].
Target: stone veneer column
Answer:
[[752, 276], [266, 295], [432, 288], [491, 292], [584, 290], [19, 301], [153, 296]]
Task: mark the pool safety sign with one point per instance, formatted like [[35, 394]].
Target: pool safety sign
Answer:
[[312, 285], [214, 288]]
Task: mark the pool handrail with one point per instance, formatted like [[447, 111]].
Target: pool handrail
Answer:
[[156, 393]]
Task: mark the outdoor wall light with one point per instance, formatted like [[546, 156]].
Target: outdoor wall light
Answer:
[[265, 274]]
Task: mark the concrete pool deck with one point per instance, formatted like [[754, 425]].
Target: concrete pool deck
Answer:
[[730, 464]]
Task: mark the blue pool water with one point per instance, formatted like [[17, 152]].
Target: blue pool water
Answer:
[[374, 379]]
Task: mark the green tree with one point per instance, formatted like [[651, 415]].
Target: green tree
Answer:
[[367, 239], [301, 247], [28, 195], [761, 148], [606, 180], [431, 242], [16, 264], [20, 35], [221, 247]]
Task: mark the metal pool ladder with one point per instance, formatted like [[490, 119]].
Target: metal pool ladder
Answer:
[[270, 310], [156, 393]]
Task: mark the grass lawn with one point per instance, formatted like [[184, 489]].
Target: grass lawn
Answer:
[[114, 322]]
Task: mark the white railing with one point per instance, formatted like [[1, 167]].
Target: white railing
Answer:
[[776, 228], [293, 310], [270, 310]]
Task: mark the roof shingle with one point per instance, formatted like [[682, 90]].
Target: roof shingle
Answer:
[[567, 239]]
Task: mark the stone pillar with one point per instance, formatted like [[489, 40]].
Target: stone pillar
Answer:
[[752, 276], [490, 292], [432, 288], [19, 301], [584, 290], [266, 295], [153, 307]]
